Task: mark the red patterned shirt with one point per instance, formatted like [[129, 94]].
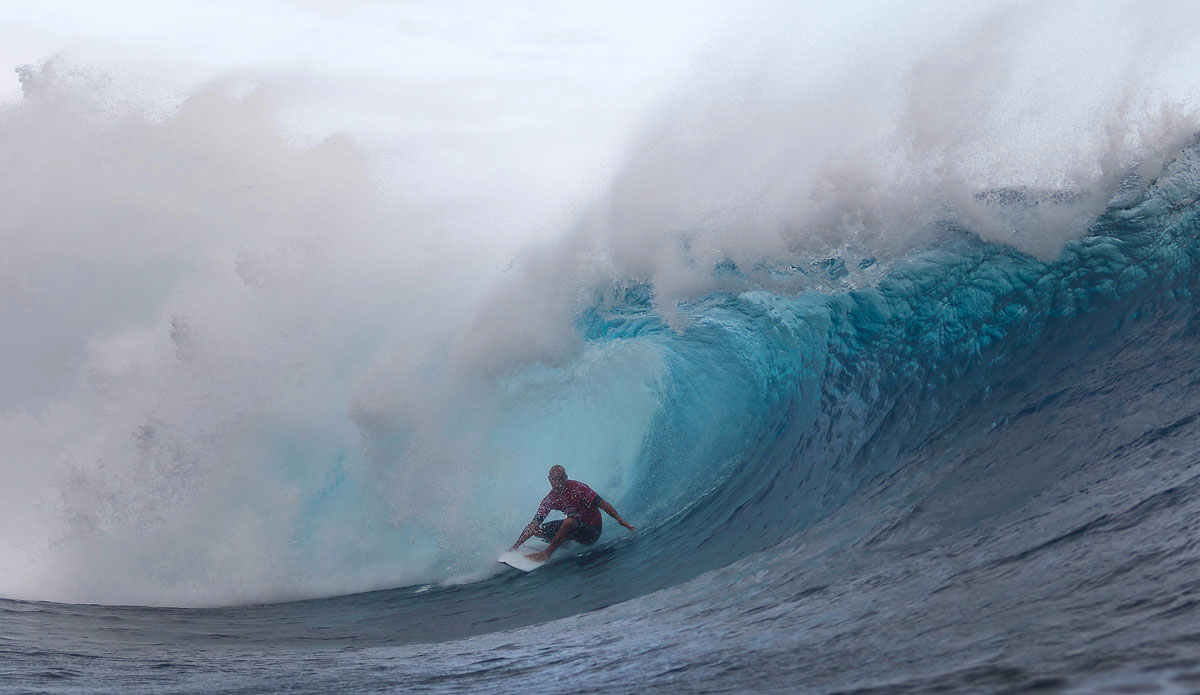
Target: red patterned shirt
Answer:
[[579, 501]]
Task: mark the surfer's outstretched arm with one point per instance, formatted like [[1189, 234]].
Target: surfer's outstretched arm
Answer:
[[530, 531], [609, 510]]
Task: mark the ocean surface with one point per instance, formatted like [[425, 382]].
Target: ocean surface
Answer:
[[878, 320], [964, 469]]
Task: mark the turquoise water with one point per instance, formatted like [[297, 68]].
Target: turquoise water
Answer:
[[965, 470]]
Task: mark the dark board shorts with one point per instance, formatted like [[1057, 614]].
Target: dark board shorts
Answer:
[[582, 533]]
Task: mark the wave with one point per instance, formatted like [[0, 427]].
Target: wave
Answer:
[[967, 364], [254, 378], [778, 408]]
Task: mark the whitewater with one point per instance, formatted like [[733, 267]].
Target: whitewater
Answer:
[[878, 322]]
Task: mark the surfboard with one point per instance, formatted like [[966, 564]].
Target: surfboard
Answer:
[[519, 560]]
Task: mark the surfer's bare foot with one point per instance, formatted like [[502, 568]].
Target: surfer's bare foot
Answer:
[[539, 557]]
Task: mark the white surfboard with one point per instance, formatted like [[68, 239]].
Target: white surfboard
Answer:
[[519, 560]]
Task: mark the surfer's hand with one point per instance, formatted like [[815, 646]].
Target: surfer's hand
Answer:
[[628, 525]]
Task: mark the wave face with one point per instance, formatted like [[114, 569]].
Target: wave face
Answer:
[[935, 435], [973, 422], [243, 370]]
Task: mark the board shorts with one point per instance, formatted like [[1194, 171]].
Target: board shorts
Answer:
[[582, 533]]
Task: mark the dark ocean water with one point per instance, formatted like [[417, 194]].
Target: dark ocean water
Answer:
[[975, 471]]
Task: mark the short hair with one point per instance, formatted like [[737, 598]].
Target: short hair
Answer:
[[558, 470]]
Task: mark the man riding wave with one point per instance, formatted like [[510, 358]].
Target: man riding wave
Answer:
[[582, 506]]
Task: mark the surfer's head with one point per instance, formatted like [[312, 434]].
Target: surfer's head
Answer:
[[558, 478]]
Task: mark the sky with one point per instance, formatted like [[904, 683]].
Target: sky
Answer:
[[472, 95], [360, 47]]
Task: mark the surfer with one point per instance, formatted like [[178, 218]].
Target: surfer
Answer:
[[582, 506]]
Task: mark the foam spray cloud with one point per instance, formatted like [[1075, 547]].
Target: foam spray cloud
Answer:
[[223, 380], [174, 288], [857, 133]]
